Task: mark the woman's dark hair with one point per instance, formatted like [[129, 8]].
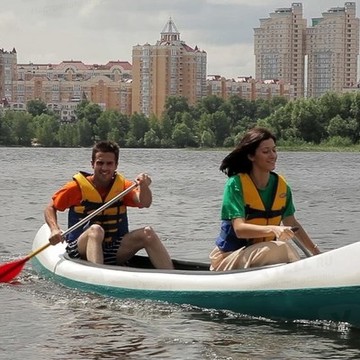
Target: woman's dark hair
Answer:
[[238, 160], [106, 146]]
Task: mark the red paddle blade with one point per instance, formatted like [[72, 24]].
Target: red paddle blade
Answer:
[[10, 270]]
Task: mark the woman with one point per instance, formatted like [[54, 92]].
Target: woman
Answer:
[[257, 211]]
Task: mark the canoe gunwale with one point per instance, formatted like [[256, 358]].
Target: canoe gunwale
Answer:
[[181, 267]]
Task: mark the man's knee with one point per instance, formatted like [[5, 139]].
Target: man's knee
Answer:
[[149, 231], [97, 232], [149, 234]]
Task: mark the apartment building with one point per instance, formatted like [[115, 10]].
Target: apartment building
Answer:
[[332, 47], [279, 47], [8, 71], [168, 68], [248, 88], [63, 85], [283, 44]]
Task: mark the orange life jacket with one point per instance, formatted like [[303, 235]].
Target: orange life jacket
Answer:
[[255, 211], [113, 219]]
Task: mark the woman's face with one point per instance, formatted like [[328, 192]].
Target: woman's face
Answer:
[[265, 156]]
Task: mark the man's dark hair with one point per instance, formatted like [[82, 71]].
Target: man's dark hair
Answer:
[[106, 146]]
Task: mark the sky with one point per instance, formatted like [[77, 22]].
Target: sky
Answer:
[[98, 31]]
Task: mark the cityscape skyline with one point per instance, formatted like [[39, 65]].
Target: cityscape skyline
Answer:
[[99, 31]]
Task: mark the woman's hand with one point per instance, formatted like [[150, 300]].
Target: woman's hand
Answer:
[[282, 233]]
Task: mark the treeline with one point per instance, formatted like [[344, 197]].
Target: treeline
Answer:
[[332, 119]]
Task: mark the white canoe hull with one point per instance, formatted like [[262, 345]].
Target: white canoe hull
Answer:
[[323, 287]]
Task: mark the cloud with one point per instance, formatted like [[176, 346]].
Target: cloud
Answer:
[[233, 60], [8, 22], [96, 31]]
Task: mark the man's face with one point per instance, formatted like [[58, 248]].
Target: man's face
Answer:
[[104, 167]]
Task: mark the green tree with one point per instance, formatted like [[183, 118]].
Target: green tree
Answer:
[[188, 119], [219, 125], [210, 104], [114, 135], [167, 127], [238, 109], [344, 128], [355, 106], [280, 122], [80, 109], [68, 135], [174, 105], [46, 130], [131, 142], [105, 123], [263, 108], [205, 122], [229, 141], [124, 127], [155, 126], [207, 139], [151, 140], [330, 105], [346, 103], [307, 119], [20, 126], [183, 136], [277, 102], [355, 114], [85, 133], [36, 107], [6, 133], [139, 125], [92, 112]]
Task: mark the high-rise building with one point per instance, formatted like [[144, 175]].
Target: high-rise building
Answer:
[[279, 45], [8, 68], [168, 68], [332, 46], [283, 43]]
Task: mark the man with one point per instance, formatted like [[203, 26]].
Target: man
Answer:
[[106, 239]]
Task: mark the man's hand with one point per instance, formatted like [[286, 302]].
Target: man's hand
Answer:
[[56, 237], [143, 179]]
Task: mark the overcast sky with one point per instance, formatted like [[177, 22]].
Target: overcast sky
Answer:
[[97, 31]]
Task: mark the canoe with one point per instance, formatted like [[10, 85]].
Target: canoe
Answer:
[[323, 287]]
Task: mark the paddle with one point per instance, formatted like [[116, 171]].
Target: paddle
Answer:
[[299, 243], [10, 270]]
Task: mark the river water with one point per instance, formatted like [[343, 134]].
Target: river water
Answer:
[[43, 320]]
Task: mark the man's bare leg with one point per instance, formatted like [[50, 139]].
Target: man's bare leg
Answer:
[[90, 244], [147, 239]]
